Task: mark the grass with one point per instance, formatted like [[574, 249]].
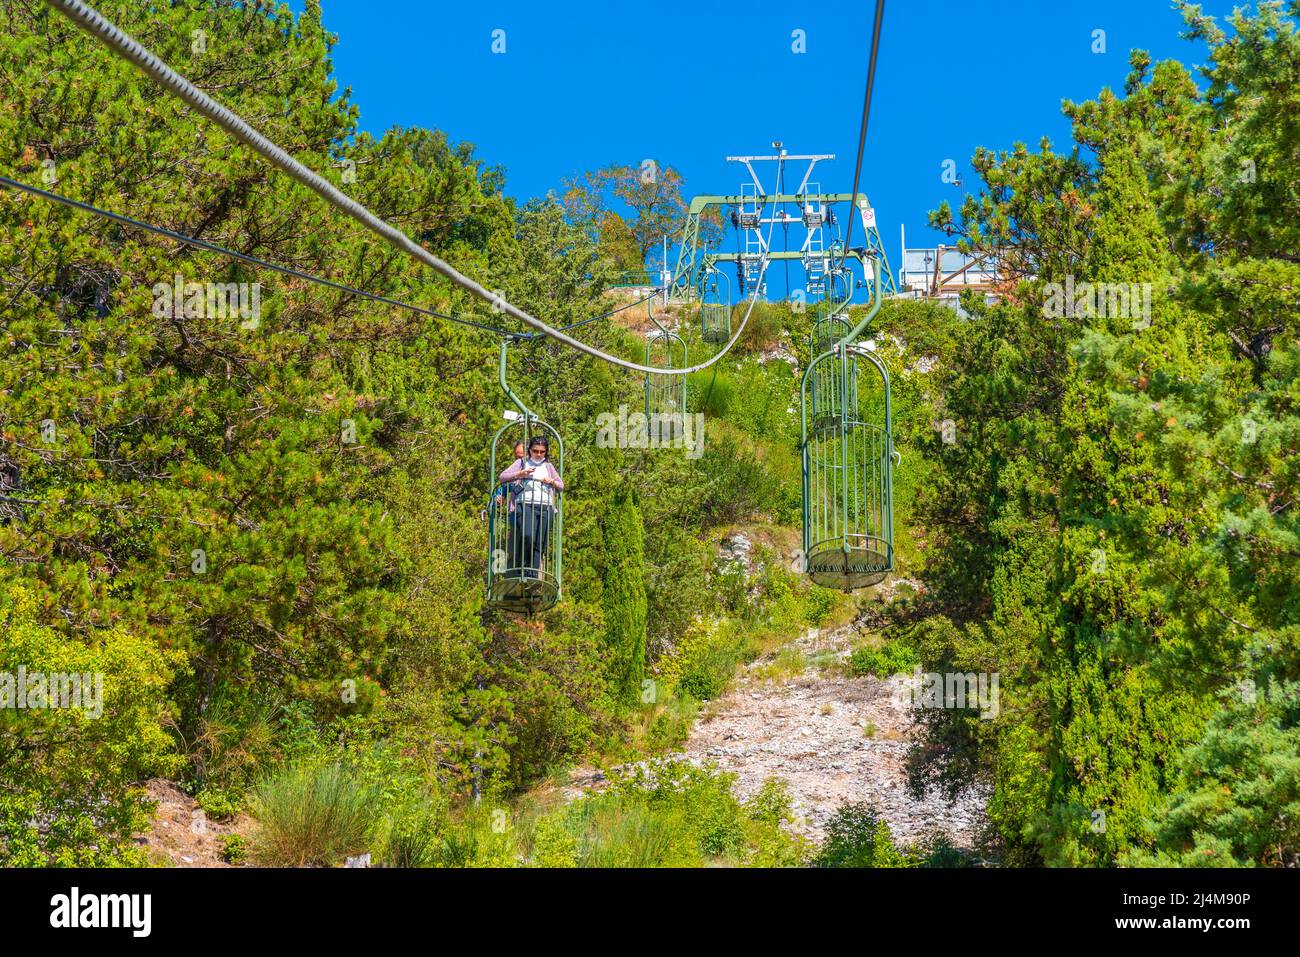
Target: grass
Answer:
[[413, 838], [828, 660], [312, 815], [788, 663]]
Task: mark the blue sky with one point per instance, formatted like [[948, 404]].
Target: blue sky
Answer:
[[586, 84]]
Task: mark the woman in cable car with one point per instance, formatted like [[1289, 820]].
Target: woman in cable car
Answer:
[[532, 507]]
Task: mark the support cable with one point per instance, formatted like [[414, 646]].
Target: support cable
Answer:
[[92, 22]]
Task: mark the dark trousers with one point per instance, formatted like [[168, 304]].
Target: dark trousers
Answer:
[[531, 531]]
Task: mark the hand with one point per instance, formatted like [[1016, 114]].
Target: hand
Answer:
[[527, 471]]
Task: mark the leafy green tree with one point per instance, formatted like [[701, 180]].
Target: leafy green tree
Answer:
[[1122, 480], [81, 728]]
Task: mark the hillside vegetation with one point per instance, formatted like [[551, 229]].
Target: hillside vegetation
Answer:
[[267, 537]]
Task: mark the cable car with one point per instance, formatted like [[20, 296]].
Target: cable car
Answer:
[[664, 394], [848, 457], [525, 569], [715, 317]]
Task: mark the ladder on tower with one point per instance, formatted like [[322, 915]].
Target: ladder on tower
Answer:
[[750, 221], [815, 263]]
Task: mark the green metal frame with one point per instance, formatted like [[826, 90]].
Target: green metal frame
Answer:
[[664, 394], [715, 317], [687, 275], [848, 457], [824, 384], [513, 583]]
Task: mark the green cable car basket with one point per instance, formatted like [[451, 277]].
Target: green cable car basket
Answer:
[[525, 569], [665, 394], [825, 381], [848, 456], [715, 317]]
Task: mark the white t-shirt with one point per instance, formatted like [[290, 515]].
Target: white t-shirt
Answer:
[[533, 491]]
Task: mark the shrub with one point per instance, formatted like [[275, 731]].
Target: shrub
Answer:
[[710, 391], [891, 658], [234, 848], [71, 794], [554, 845], [234, 740], [625, 594], [819, 604], [708, 673], [217, 804], [857, 837], [937, 850], [772, 803], [312, 815], [484, 835], [630, 834], [707, 665], [768, 843], [763, 330], [413, 836]]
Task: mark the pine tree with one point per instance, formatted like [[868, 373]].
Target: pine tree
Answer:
[[625, 594]]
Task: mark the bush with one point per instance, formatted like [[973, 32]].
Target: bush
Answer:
[[670, 724], [772, 803], [630, 834], [218, 805], [413, 837], [857, 837], [710, 391], [893, 657], [234, 740], [71, 795], [670, 815], [764, 328], [819, 604], [312, 815], [234, 849], [708, 673], [937, 850], [554, 845], [483, 836], [707, 661]]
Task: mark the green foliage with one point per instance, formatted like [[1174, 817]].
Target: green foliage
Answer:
[[313, 814], [673, 815], [856, 836], [234, 849], [1113, 529], [890, 658], [625, 595], [277, 609], [74, 754], [219, 805], [937, 850], [708, 663], [1237, 802], [413, 837]]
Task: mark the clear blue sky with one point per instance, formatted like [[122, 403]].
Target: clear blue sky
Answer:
[[585, 84]]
